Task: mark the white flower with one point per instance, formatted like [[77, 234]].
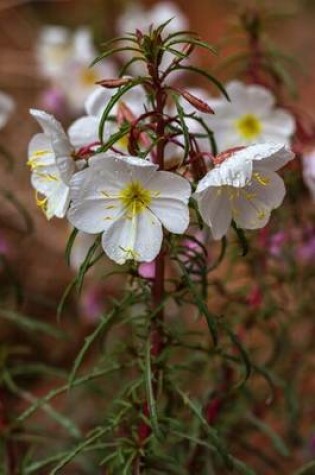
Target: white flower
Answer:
[[52, 165], [308, 162], [6, 108], [128, 200], [85, 129], [244, 187], [65, 59], [53, 50], [251, 117]]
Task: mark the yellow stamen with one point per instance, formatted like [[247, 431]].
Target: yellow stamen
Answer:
[[135, 198], [262, 180], [249, 126]]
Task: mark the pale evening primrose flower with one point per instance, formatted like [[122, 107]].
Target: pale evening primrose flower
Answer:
[[251, 117], [128, 200], [52, 165], [308, 163], [78, 79], [6, 108], [53, 50], [244, 187], [64, 58]]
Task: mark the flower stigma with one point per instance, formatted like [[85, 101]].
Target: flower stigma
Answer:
[[135, 198], [249, 126]]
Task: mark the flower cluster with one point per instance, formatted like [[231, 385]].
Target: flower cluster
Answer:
[[126, 197]]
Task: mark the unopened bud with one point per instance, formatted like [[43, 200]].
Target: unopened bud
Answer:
[[113, 83], [199, 104]]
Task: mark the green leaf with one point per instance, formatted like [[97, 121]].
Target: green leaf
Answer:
[[194, 41], [243, 354], [308, 469], [115, 98], [202, 306], [181, 116], [149, 389], [70, 243], [207, 75], [276, 440], [30, 324], [113, 51], [104, 321], [241, 238], [212, 433]]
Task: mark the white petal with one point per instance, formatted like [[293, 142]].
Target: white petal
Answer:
[[40, 143], [268, 155], [235, 171], [84, 131], [259, 100], [170, 185], [47, 180], [59, 142], [173, 214], [139, 238], [215, 210], [97, 101], [94, 215], [123, 169], [279, 122], [252, 207], [58, 202]]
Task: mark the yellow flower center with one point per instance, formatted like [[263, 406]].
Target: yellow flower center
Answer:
[[135, 197], [123, 142], [249, 126], [88, 77]]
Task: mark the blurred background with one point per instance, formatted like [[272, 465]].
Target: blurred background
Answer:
[[33, 269]]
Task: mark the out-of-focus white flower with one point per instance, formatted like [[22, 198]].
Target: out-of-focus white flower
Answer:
[[135, 17], [6, 108], [85, 129], [308, 163], [52, 165], [128, 200], [251, 117], [65, 59], [244, 187], [53, 50]]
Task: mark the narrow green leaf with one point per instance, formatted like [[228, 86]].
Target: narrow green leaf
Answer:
[[212, 433], [181, 116], [193, 41], [149, 389], [70, 243], [202, 306], [115, 98], [308, 469], [31, 324], [207, 75], [241, 238], [243, 354], [276, 440], [104, 321]]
